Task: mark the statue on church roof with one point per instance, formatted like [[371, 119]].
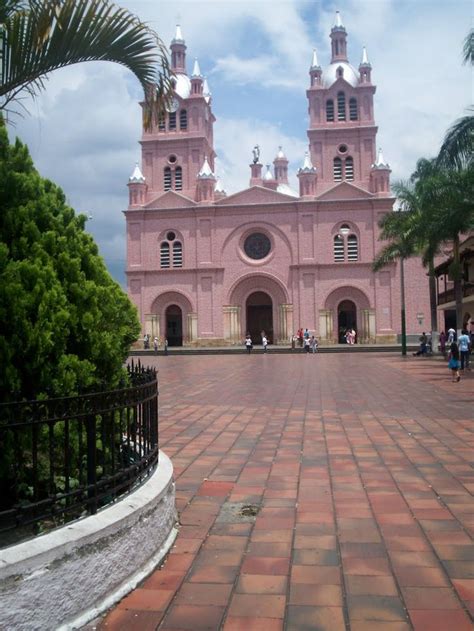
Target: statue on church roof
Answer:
[[256, 154]]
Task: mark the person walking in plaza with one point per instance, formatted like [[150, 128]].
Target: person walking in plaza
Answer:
[[442, 343], [264, 343], [307, 344], [453, 363], [451, 336], [464, 344], [248, 343], [155, 344], [300, 337], [423, 343], [313, 343]]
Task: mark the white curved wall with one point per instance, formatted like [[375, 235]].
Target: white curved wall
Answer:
[[66, 577]]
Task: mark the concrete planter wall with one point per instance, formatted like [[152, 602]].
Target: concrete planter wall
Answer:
[[62, 579]]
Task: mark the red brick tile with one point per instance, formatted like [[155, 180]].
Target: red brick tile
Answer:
[[261, 584], [374, 585], [303, 618], [203, 594], [437, 620], [315, 595], [233, 623], [162, 579], [257, 605], [216, 489], [367, 567], [265, 565], [317, 575], [430, 598], [193, 618], [130, 620], [464, 587], [147, 599], [421, 577], [213, 574]]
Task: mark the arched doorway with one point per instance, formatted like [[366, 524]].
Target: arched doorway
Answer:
[[174, 325], [259, 316], [346, 319]]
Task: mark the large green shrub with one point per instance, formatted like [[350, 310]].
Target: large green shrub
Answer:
[[66, 324]]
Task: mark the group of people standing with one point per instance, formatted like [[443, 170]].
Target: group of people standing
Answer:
[[305, 341], [459, 352]]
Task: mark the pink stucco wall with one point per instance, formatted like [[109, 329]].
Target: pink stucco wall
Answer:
[[300, 273]]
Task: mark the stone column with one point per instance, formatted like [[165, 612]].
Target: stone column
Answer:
[[191, 328], [364, 328], [286, 323], [371, 330], [326, 325], [152, 325], [232, 332]]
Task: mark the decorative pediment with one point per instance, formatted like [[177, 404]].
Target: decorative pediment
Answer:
[[170, 199], [255, 195], [344, 190]]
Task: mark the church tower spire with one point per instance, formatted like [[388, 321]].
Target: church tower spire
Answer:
[[178, 52], [342, 130], [338, 40]]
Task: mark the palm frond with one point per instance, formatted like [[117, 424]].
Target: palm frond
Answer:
[[391, 253], [54, 34], [468, 48], [457, 149]]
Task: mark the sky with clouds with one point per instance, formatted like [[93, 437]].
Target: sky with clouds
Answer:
[[83, 131]]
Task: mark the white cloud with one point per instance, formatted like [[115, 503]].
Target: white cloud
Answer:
[[83, 132], [235, 139]]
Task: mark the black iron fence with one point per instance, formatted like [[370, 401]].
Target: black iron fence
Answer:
[[61, 459]]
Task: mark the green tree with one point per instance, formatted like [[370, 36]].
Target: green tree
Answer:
[[457, 150], [39, 36], [67, 325], [399, 229]]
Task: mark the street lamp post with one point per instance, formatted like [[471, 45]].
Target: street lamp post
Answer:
[[403, 317]]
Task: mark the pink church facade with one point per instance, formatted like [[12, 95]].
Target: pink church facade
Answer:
[[204, 268]]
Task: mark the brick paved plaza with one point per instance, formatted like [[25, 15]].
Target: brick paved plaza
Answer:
[[361, 469]]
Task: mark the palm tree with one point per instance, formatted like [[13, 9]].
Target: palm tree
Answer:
[[398, 228], [451, 195], [457, 149], [39, 36]]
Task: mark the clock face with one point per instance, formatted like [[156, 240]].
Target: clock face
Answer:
[[173, 105], [257, 246]]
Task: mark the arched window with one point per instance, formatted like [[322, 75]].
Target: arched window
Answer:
[[177, 254], [165, 254], [183, 120], [178, 179], [330, 110], [338, 248], [337, 169], [353, 112], [352, 248], [167, 178], [349, 169], [341, 106], [172, 120]]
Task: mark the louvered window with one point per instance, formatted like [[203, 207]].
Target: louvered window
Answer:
[[167, 178], [178, 179], [341, 106], [165, 254], [353, 113], [177, 254], [183, 120], [349, 175], [330, 111], [172, 120], [337, 169], [352, 248], [161, 122], [338, 248]]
